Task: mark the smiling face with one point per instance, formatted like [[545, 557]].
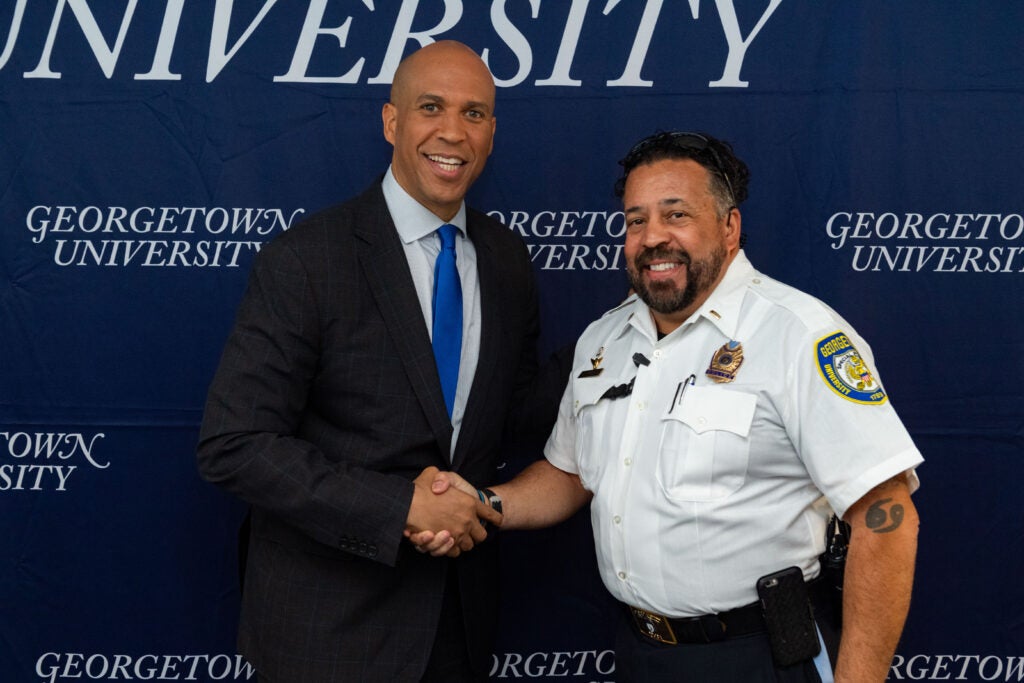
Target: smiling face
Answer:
[[440, 121], [677, 244]]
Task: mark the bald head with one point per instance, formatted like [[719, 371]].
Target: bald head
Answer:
[[434, 57]]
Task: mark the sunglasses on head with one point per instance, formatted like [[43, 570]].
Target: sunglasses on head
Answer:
[[681, 140]]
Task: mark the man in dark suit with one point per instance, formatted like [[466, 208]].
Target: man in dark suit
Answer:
[[330, 414]]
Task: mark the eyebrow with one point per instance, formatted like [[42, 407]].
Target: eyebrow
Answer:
[[472, 104], [662, 203]]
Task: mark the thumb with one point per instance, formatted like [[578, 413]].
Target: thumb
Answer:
[[440, 483]]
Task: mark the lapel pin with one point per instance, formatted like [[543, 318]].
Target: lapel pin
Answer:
[[595, 362]]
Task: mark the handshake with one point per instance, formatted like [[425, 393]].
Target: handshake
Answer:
[[447, 516]]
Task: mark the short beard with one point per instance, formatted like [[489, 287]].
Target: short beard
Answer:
[[665, 297]]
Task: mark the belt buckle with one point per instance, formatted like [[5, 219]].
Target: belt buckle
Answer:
[[653, 626]]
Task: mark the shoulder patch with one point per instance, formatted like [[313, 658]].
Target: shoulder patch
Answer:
[[845, 372]]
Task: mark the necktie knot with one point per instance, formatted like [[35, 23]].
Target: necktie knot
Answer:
[[447, 234]]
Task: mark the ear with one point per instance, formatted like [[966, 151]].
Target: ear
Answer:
[[389, 116], [733, 228]]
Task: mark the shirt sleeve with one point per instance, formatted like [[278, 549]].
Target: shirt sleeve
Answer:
[[560, 449], [841, 420]]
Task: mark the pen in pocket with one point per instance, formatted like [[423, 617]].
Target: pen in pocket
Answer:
[[681, 391]]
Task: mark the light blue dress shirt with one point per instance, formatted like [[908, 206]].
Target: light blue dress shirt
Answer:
[[416, 227]]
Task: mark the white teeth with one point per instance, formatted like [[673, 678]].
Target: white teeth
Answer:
[[446, 163], [662, 266]]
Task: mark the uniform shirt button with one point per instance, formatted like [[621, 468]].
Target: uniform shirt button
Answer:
[[628, 461], [702, 420], [622, 575], [617, 519], [657, 353], [641, 405]]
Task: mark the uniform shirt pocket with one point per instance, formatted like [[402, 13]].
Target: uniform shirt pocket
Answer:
[[593, 428], [705, 444]]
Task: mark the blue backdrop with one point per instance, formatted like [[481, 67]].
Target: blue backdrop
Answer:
[[148, 149]]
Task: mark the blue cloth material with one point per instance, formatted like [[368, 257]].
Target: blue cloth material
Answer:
[[822, 662], [447, 314]]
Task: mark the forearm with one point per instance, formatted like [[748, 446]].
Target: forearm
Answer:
[[878, 581], [540, 496]]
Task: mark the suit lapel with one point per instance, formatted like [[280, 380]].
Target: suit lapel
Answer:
[[488, 272], [386, 269]]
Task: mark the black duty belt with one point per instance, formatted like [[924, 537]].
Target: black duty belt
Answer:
[[709, 628]]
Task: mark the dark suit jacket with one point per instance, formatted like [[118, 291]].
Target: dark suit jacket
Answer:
[[325, 406]]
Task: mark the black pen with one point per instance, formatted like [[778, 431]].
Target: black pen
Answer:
[[681, 391]]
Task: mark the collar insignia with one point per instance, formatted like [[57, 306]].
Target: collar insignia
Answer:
[[595, 371]]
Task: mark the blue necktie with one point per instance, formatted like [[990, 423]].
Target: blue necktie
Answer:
[[447, 309]]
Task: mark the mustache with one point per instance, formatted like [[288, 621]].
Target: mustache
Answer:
[[650, 254]]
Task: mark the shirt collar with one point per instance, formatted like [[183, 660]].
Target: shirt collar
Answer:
[[721, 309], [413, 220]]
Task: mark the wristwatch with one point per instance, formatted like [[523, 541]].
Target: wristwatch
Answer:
[[491, 498]]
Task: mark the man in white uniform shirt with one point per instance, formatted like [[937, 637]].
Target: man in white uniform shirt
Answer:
[[716, 419]]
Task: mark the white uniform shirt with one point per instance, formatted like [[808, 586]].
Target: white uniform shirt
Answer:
[[701, 487]]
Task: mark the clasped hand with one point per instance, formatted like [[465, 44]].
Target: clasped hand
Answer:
[[446, 516]]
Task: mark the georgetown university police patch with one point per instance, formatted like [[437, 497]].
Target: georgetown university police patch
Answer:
[[845, 371]]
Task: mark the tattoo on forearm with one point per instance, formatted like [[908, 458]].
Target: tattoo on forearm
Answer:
[[882, 521]]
